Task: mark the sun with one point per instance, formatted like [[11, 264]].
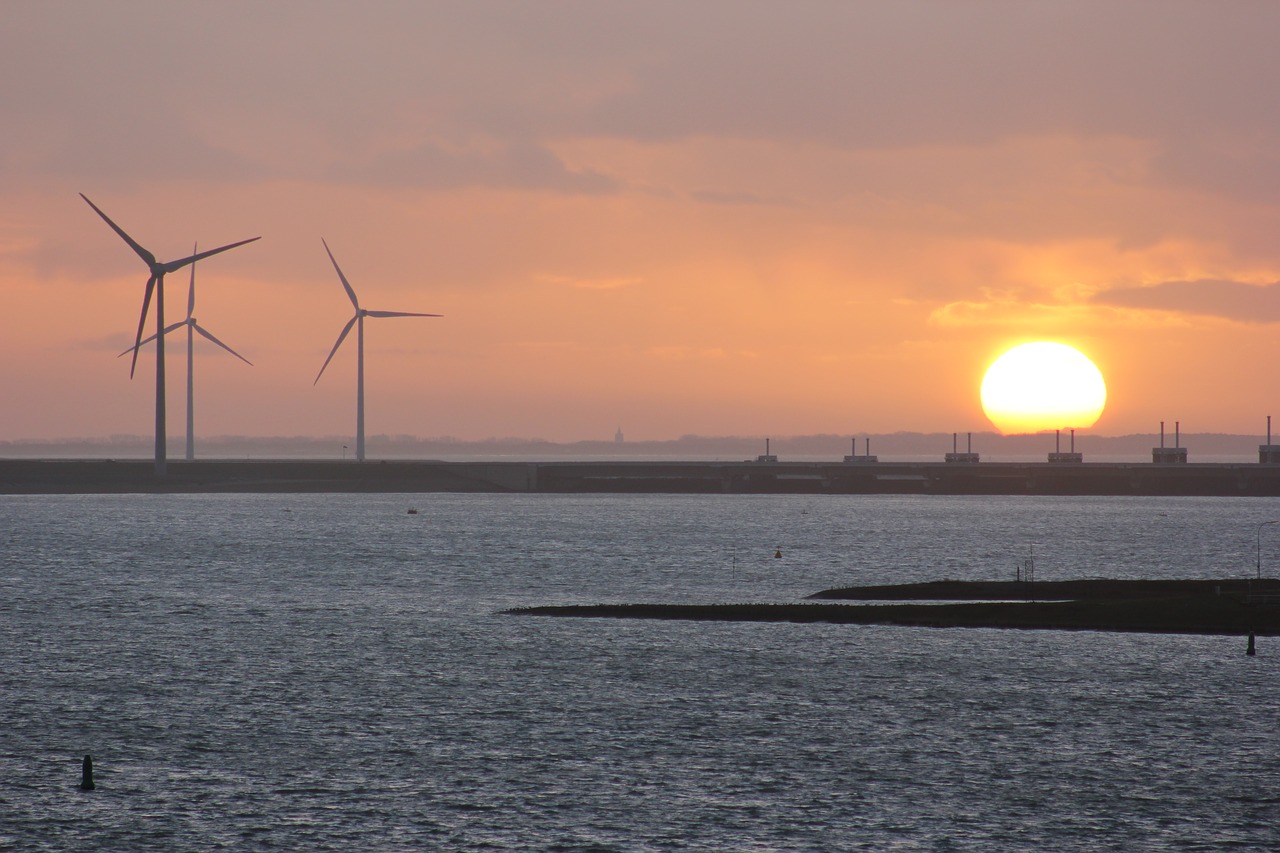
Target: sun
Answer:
[[1042, 386]]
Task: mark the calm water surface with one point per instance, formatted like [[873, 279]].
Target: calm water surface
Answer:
[[328, 672]]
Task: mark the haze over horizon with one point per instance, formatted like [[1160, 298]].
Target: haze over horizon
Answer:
[[720, 219]]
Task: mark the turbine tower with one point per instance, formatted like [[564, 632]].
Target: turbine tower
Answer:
[[192, 328], [156, 283], [358, 322]]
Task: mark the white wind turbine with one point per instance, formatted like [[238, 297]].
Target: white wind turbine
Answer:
[[192, 328], [156, 283], [358, 322]]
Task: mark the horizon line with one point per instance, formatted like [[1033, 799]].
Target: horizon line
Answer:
[[123, 438]]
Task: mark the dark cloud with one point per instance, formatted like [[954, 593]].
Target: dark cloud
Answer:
[[737, 199], [139, 89], [111, 152], [1248, 170], [522, 165], [1230, 300], [920, 73]]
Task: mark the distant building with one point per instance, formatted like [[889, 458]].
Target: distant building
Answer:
[[617, 436], [1269, 454], [1060, 457], [1175, 455], [1168, 455], [956, 457], [855, 459]]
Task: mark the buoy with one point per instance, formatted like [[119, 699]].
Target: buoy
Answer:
[[777, 555], [86, 774], [1251, 651]]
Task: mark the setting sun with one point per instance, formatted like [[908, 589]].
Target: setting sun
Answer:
[[1042, 386]]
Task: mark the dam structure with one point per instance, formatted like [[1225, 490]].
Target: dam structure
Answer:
[[103, 476]]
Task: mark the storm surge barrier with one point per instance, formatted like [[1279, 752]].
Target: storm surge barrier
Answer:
[[629, 477]]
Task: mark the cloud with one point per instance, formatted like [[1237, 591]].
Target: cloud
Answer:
[[858, 74], [1005, 313], [128, 148], [737, 199], [1245, 169], [591, 283], [689, 353], [1229, 300], [520, 165]]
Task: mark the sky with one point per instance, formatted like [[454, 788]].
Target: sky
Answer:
[[719, 218]]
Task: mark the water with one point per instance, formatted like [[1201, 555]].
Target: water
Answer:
[[328, 672]]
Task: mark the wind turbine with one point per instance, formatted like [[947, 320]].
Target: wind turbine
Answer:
[[192, 328], [358, 322], [156, 283]]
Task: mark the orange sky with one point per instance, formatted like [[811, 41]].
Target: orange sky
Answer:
[[726, 218]]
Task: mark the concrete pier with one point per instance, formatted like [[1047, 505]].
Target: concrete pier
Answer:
[[676, 477]]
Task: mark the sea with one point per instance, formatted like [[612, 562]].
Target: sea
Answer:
[[336, 672]]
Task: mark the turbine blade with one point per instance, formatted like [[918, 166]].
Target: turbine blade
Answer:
[[398, 314], [191, 291], [201, 330], [147, 340], [133, 244], [350, 292], [134, 349], [177, 265], [142, 321], [341, 338]]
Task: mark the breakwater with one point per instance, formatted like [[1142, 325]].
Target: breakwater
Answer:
[[84, 476]]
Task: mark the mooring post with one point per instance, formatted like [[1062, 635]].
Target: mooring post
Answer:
[[1250, 651], [86, 773]]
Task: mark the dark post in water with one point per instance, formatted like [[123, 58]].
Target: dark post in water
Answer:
[[86, 774]]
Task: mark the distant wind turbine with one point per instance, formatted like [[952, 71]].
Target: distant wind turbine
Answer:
[[358, 322], [192, 328], [156, 283]]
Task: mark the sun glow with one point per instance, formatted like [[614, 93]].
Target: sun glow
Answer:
[[1042, 386]]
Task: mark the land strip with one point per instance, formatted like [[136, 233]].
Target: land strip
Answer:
[[1224, 607], [1088, 589]]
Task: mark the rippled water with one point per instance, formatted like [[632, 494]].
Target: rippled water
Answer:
[[329, 673]]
